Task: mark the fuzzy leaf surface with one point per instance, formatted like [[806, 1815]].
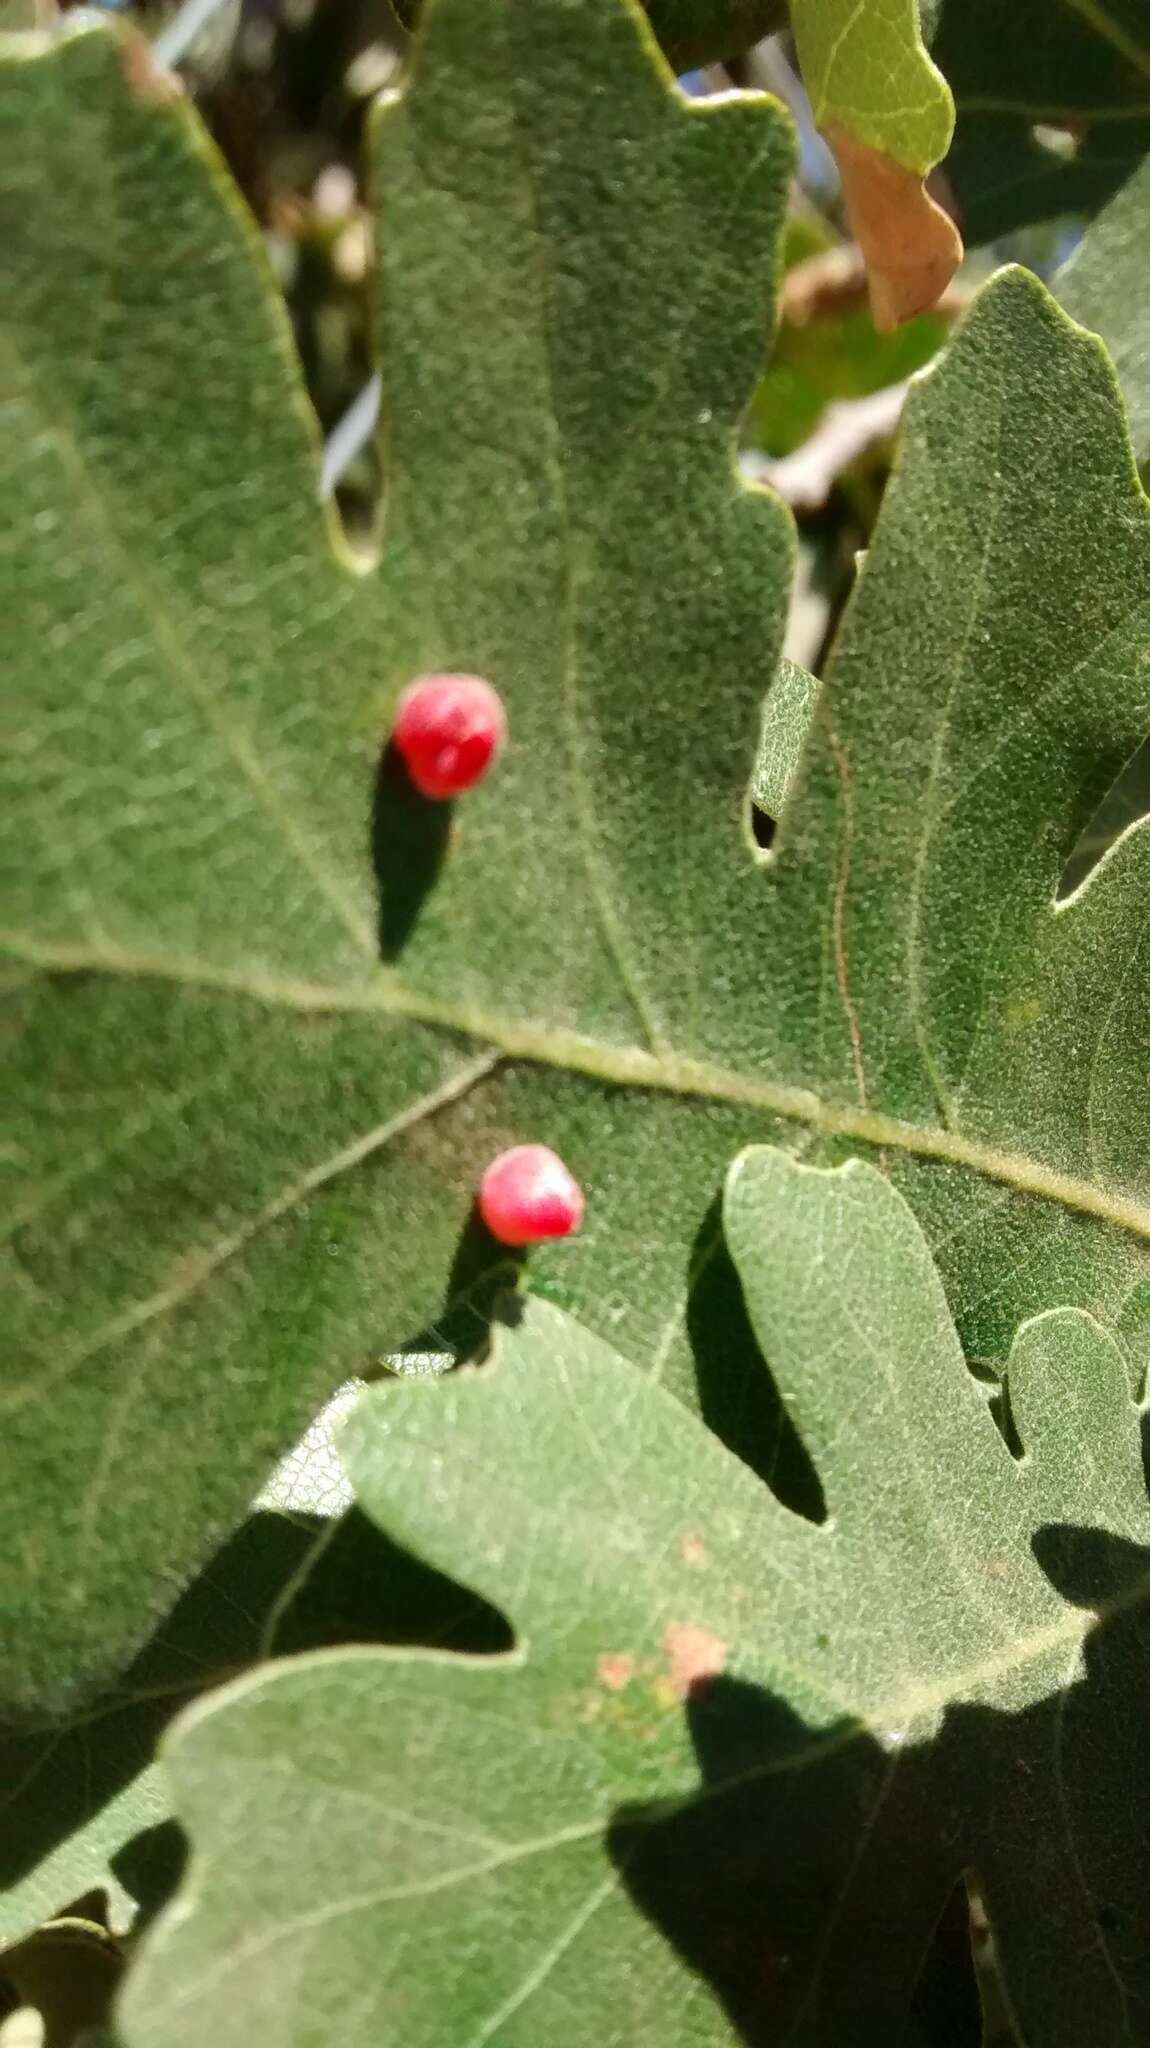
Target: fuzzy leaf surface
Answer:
[[1104, 287], [84, 1804], [726, 1783], [207, 1127], [246, 1151]]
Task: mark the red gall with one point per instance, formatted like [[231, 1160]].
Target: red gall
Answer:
[[527, 1195], [448, 729]]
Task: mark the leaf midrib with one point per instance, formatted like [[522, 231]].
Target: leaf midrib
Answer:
[[625, 1066]]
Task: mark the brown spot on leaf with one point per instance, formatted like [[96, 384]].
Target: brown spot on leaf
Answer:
[[616, 1669], [692, 1549], [912, 247], [694, 1654]]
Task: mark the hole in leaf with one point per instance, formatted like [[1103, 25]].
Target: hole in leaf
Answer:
[[763, 827], [1126, 800], [987, 1371], [737, 1395]]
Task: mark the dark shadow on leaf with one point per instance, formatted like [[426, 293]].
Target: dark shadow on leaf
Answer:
[[483, 1272], [343, 1581], [1091, 1567], [409, 839], [151, 1867], [363, 1588], [1067, 1777], [746, 1879], [811, 1881], [737, 1395], [56, 1779]]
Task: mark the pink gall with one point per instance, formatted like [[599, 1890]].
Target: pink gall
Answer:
[[448, 729], [527, 1195]]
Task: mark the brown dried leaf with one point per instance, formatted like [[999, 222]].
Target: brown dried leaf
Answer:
[[912, 247]]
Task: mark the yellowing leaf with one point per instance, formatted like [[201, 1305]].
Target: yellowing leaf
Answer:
[[887, 113]]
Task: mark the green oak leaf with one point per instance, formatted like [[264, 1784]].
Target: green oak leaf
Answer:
[[794, 696], [83, 1804], [725, 1785], [865, 68], [244, 1153], [887, 113], [223, 1117], [1053, 103], [1104, 287]]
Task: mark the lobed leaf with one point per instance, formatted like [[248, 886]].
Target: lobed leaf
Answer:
[[729, 1778], [246, 1151], [213, 1119]]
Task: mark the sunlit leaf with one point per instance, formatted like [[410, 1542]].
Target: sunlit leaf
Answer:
[[725, 1786], [245, 1154]]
